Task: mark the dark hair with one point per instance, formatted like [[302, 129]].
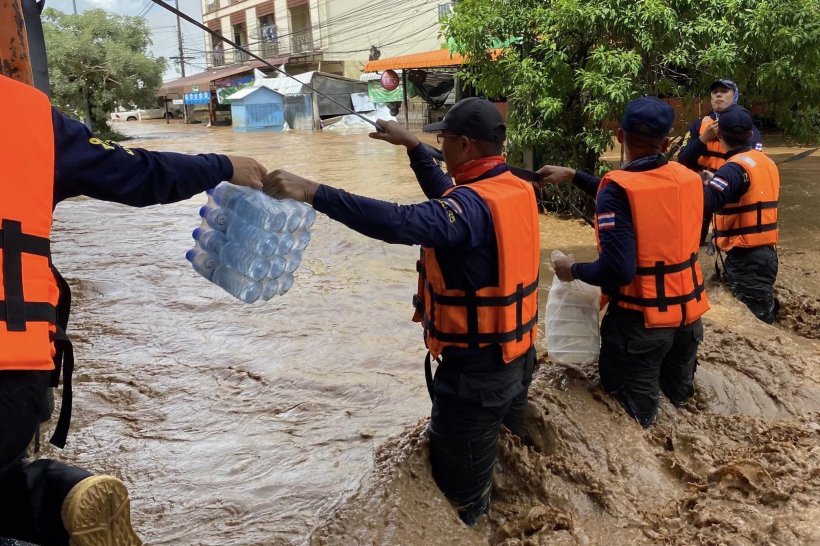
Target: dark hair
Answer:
[[737, 139], [642, 144], [488, 149]]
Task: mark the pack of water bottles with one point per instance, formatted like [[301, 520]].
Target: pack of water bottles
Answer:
[[250, 244]]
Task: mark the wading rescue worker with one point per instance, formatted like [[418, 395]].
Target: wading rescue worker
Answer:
[[743, 196], [477, 290], [47, 158], [703, 152], [648, 216]]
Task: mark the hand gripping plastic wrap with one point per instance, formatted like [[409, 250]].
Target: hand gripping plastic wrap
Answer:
[[250, 244], [573, 334]]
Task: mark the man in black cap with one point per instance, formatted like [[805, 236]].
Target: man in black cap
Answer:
[[703, 152], [743, 196], [478, 279], [648, 216]]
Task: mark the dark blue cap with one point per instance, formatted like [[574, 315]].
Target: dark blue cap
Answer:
[[648, 116], [735, 119], [728, 84], [473, 117]]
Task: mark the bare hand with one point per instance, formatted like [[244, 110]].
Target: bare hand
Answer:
[[710, 134], [553, 174], [284, 185], [395, 133], [247, 171], [563, 267], [706, 175]]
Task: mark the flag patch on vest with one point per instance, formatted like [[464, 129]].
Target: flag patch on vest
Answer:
[[719, 183], [606, 220]]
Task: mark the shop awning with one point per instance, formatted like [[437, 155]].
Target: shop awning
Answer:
[[440, 58], [204, 79]]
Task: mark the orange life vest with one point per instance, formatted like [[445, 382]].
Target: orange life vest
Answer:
[[715, 155], [667, 213], [506, 314], [752, 221], [28, 289]]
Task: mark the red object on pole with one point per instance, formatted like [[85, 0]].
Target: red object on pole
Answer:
[[14, 58]]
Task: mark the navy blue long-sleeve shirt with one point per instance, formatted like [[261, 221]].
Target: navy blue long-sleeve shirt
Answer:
[[86, 165], [459, 222], [694, 148], [617, 261], [727, 186]]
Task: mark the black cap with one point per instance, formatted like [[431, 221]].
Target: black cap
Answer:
[[473, 117], [648, 116], [728, 84], [735, 119]]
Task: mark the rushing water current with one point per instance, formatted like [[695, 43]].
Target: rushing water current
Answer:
[[248, 424]]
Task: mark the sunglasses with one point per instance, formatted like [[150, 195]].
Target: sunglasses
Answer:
[[441, 136]]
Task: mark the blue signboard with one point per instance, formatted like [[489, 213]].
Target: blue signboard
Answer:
[[201, 97]]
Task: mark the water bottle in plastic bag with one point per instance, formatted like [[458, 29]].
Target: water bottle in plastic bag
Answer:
[[573, 334], [250, 244]]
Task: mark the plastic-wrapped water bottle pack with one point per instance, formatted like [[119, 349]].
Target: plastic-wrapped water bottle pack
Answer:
[[250, 244]]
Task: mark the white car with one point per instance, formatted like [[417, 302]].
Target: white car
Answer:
[[144, 113]]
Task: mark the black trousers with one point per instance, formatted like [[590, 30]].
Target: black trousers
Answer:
[[751, 273], [637, 362], [31, 494], [472, 398]]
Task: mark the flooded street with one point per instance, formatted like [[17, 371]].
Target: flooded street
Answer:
[[252, 424], [237, 423]]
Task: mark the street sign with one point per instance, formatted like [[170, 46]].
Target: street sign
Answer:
[[390, 80], [194, 88]]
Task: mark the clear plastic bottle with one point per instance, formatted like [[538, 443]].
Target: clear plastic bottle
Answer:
[[295, 213], [237, 284], [252, 238], [302, 240], [286, 243], [270, 288], [210, 239], [285, 282], [292, 260], [203, 262], [251, 265], [215, 216], [277, 267]]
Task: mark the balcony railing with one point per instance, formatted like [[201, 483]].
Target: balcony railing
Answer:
[[217, 57], [301, 41], [240, 56], [268, 43]]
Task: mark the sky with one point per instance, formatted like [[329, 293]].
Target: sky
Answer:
[[162, 24]]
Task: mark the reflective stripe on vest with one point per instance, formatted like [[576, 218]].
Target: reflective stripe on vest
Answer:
[[667, 213], [752, 221], [715, 155], [506, 314], [28, 289]]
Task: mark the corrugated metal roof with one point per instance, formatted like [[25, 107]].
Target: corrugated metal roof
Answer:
[[245, 91], [429, 59], [288, 86], [184, 85]]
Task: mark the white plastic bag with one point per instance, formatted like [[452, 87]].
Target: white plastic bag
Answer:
[[573, 335]]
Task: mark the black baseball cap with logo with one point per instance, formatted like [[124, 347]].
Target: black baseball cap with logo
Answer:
[[736, 119], [473, 117]]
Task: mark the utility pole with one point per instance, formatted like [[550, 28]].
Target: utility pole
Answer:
[[179, 40]]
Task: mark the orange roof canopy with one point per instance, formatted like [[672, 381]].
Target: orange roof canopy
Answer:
[[429, 59]]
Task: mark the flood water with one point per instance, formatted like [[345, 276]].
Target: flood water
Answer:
[[248, 424]]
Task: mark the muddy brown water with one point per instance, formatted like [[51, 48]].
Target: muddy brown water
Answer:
[[271, 423]]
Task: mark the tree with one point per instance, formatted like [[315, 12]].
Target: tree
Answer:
[[102, 60], [570, 66]]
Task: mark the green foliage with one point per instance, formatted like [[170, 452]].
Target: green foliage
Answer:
[[570, 66], [102, 56]]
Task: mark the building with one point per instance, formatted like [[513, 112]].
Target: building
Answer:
[[332, 36]]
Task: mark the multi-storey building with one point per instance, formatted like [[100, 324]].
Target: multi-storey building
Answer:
[[335, 36]]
